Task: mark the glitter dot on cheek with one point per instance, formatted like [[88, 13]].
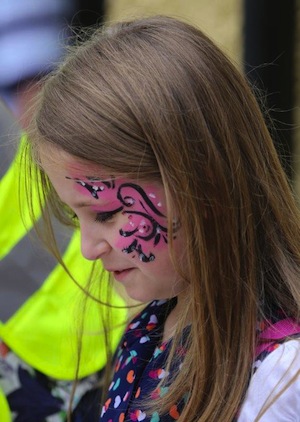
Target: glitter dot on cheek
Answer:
[[130, 201], [130, 219], [143, 227]]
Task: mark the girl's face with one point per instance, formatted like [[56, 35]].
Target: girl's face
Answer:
[[123, 223]]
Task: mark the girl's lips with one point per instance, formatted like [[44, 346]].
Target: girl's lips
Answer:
[[121, 275]]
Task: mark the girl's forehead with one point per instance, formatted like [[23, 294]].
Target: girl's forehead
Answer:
[[76, 169], [85, 169], [55, 157]]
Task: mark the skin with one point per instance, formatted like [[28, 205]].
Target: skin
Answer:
[[114, 213]]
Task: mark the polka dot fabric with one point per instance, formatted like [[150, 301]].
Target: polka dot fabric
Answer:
[[141, 362], [140, 366]]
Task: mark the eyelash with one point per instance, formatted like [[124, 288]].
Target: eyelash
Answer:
[[103, 217]]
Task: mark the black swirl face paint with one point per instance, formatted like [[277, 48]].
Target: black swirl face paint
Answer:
[[145, 231]]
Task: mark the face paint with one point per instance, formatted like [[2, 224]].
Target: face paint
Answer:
[[146, 227], [93, 185], [115, 211]]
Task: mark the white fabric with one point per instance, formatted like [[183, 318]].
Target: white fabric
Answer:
[[273, 374]]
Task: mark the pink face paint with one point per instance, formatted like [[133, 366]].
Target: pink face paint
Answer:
[[94, 186], [146, 228], [147, 224]]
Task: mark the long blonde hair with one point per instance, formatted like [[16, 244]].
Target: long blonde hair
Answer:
[[154, 98]]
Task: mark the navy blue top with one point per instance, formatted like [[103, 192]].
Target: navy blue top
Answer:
[[140, 364]]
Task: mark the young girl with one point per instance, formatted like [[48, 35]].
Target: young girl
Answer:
[[154, 142]]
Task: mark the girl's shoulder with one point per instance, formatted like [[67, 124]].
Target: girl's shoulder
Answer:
[[275, 386]]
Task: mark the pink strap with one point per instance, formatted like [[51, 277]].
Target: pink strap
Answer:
[[279, 330]]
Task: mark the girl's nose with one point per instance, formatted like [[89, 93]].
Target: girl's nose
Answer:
[[92, 247]]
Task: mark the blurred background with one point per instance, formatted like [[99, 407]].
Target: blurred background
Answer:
[[261, 36]]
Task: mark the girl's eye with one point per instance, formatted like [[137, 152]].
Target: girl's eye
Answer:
[[102, 217]]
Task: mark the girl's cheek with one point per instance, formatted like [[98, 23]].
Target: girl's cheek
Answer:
[[142, 235]]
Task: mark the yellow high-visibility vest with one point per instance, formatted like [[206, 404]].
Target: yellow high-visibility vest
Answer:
[[4, 409]]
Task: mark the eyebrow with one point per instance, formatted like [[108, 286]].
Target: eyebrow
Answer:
[[95, 203], [82, 204]]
